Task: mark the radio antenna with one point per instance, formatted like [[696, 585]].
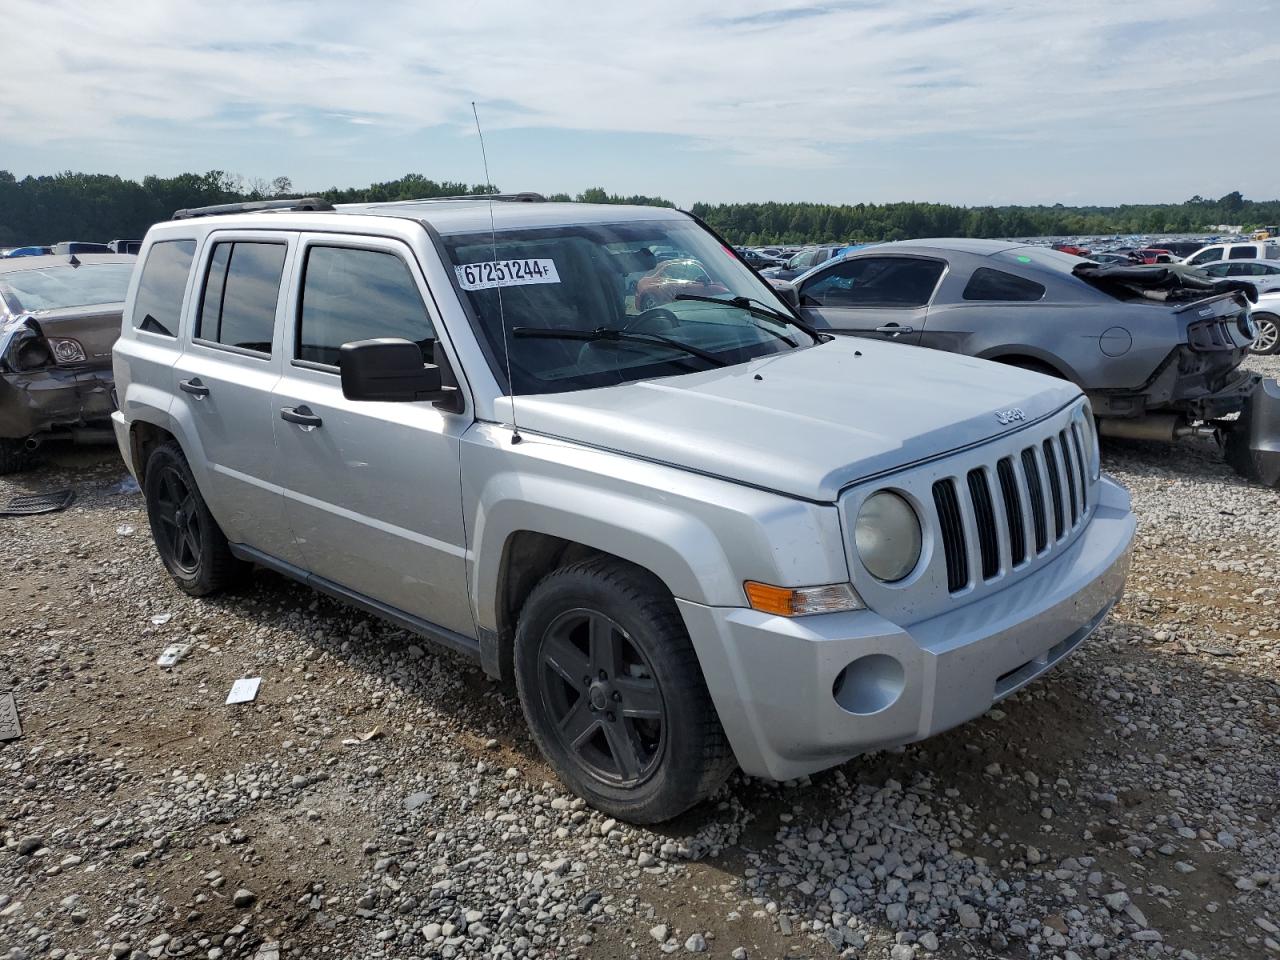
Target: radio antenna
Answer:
[[493, 240]]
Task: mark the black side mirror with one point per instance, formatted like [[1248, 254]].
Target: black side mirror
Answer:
[[389, 369], [789, 294]]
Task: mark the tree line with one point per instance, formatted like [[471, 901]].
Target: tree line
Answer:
[[87, 206]]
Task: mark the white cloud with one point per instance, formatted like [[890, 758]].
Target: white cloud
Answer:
[[770, 83]]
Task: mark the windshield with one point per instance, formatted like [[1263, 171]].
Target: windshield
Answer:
[[594, 305], [51, 288]]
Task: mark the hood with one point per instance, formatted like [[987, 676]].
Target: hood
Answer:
[[808, 422]]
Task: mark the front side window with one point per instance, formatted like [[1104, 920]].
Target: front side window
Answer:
[[874, 282], [1218, 269], [241, 289], [599, 304], [158, 305], [1243, 253], [1207, 256], [349, 295], [62, 285], [988, 284]]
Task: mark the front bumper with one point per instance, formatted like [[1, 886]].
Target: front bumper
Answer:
[[49, 399], [774, 680]]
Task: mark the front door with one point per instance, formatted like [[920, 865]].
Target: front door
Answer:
[[885, 297], [224, 380], [373, 490]]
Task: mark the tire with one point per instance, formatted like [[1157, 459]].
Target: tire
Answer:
[[647, 748], [190, 542], [1268, 341], [15, 457]]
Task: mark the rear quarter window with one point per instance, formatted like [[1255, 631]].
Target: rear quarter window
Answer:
[[988, 284], [158, 304]]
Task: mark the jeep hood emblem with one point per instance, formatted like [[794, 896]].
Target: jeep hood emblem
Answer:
[[1007, 417]]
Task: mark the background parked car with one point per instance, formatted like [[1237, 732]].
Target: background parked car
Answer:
[[1152, 368], [1263, 274], [1249, 250], [31, 251], [80, 246], [58, 322], [759, 260], [806, 259], [125, 246], [1153, 255], [672, 277], [1266, 315]]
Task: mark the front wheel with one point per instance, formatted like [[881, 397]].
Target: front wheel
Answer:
[[190, 542], [613, 693], [1268, 341]]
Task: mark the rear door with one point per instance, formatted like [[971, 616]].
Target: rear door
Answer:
[[223, 382], [373, 490], [883, 297]]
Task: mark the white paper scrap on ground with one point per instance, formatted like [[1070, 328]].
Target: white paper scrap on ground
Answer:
[[244, 690], [172, 654]]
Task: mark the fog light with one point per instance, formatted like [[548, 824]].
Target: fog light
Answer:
[[869, 684]]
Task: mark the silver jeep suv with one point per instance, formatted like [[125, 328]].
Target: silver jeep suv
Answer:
[[695, 535]]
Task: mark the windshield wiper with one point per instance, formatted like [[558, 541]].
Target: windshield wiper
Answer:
[[606, 334], [757, 309]]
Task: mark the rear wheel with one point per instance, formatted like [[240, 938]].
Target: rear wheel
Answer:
[[15, 456], [1268, 341], [190, 542], [613, 693]]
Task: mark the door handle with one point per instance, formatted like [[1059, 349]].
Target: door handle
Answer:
[[301, 415], [894, 329], [194, 387]]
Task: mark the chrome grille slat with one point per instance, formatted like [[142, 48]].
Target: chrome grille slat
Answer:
[[1069, 471], [1084, 473], [984, 520], [947, 504], [1036, 490], [1013, 513], [1055, 488]]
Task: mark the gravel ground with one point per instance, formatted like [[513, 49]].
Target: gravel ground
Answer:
[[381, 799]]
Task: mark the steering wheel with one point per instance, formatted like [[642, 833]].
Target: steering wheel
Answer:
[[655, 318]]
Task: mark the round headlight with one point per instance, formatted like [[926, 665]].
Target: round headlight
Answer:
[[887, 536]]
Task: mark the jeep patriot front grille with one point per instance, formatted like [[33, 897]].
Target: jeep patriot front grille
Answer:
[[997, 513]]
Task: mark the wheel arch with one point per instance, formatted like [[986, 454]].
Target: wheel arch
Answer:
[[1015, 355]]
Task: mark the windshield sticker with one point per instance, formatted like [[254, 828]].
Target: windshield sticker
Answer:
[[505, 273]]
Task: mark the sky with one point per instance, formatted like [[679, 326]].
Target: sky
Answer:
[[955, 101]]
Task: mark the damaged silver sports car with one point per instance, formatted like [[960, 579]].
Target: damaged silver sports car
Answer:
[[59, 316]]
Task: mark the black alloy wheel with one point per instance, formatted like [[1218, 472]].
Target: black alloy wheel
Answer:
[[188, 538], [614, 694], [177, 520], [599, 690]]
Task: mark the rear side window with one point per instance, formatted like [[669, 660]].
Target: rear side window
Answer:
[[158, 304], [350, 294], [1243, 253], [238, 305], [988, 284]]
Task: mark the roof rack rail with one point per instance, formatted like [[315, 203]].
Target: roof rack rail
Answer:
[[525, 197], [253, 206]]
